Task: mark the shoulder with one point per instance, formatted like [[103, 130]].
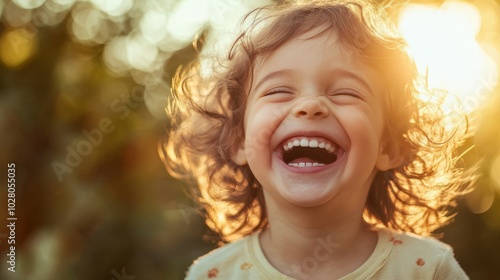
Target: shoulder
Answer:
[[418, 243], [221, 263], [418, 257]]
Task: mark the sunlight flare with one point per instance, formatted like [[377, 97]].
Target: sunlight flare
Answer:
[[445, 49]]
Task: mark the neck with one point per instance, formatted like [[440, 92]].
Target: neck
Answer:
[[302, 242]]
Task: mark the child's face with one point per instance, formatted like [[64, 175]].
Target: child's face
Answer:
[[310, 93]]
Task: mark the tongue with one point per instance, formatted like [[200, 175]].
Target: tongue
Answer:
[[303, 159], [308, 155]]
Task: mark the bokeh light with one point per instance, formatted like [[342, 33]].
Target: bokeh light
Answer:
[[480, 199], [141, 54], [115, 57], [29, 4], [495, 171], [183, 27], [445, 49], [89, 25], [152, 26], [17, 46], [16, 16], [113, 7]]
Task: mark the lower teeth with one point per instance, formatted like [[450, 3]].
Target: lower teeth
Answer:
[[305, 164]]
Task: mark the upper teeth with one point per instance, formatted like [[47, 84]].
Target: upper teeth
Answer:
[[309, 142]]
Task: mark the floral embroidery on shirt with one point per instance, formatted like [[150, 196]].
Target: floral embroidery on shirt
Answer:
[[396, 241], [212, 273], [420, 262], [245, 266]]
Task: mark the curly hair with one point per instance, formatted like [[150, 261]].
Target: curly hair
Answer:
[[207, 112]]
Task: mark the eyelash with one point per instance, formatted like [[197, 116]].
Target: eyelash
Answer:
[[347, 93], [278, 90], [332, 95]]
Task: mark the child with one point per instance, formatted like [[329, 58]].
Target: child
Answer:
[[314, 142]]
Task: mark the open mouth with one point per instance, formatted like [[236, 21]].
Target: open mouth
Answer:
[[309, 151]]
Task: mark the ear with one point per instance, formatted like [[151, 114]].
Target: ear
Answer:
[[240, 156], [389, 156]]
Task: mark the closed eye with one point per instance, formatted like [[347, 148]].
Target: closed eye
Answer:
[[279, 90], [346, 94]]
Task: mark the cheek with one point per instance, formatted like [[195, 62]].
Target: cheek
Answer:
[[261, 124], [257, 135], [256, 143], [365, 129], [372, 118]]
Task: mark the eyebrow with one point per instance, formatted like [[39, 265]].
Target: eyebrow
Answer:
[[354, 76], [272, 75], [334, 73]]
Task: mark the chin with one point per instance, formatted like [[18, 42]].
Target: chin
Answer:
[[305, 196]]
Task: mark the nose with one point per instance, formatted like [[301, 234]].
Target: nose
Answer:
[[310, 107]]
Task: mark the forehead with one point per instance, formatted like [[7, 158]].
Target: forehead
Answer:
[[304, 54], [320, 38]]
